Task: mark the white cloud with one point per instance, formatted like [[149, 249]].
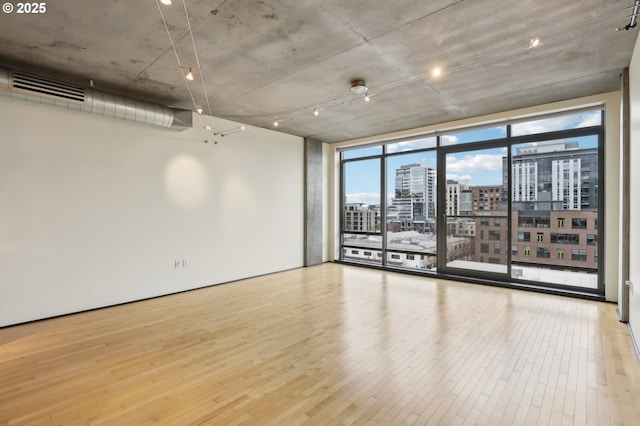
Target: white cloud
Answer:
[[589, 119], [475, 163], [364, 197], [456, 177], [449, 140], [401, 146], [572, 121], [411, 145]]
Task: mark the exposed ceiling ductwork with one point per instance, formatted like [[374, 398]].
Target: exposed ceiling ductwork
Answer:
[[42, 90]]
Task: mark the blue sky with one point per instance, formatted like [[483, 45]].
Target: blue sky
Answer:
[[481, 167]]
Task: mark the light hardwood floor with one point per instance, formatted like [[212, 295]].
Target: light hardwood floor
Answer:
[[331, 344]]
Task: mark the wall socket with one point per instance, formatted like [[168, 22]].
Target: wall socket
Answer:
[[180, 263]]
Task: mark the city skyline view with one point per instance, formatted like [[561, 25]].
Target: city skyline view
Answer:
[[362, 178], [526, 213]]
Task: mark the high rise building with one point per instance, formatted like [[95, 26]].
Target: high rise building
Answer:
[[555, 192], [458, 198], [555, 175], [415, 194]]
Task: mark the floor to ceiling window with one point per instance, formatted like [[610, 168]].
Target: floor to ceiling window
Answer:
[[516, 202]]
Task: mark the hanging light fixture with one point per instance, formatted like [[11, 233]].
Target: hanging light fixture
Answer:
[[189, 75], [367, 98], [199, 109]]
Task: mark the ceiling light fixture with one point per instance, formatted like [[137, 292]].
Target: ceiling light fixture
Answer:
[[358, 87], [367, 98], [634, 18], [275, 123], [231, 131], [167, 2], [316, 112], [188, 76], [199, 109], [436, 72], [534, 42]]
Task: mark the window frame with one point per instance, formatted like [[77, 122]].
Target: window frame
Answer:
[[597, 131]]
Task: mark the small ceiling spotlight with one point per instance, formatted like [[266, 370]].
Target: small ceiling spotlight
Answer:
[[167, 2], [243, 128], [316, 112], [367, 98], [199, 109], [208, 128], [189, 75], [534, 42], [275, 123], [358, 87], [436, 72]]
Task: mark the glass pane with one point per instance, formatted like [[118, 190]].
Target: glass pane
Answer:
[[361, 215], [477, 135], [364, 248], [475, 210], [411, 210], [412, 145], [362, 152], [565, 122], [555, 212], [362, 182], [422, 261]]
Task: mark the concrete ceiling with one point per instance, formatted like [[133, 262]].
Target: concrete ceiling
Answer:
[[280, 59]]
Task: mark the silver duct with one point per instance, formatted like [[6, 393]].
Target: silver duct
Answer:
[[33, 88]]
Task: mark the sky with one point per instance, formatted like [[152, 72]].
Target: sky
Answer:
[[481, 167]]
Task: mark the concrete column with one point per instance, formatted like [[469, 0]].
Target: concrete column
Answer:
[[313, 202]]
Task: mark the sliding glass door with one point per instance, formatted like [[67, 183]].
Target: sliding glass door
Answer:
[[555, 211], [411, 227], [474, 211], [361, 211]]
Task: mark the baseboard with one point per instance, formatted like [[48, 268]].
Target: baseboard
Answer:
[[634, 341]]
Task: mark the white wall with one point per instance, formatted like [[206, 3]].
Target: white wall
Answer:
[[95, 211], [611, 102], [634, 199]]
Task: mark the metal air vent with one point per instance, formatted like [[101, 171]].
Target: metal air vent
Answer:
[[34, 84]]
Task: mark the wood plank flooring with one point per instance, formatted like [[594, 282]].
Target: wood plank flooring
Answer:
[[326, 345]]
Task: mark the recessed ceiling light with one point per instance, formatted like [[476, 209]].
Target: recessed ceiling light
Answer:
[[436, 72], [534, 42], [167, 2], [316, 112]]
